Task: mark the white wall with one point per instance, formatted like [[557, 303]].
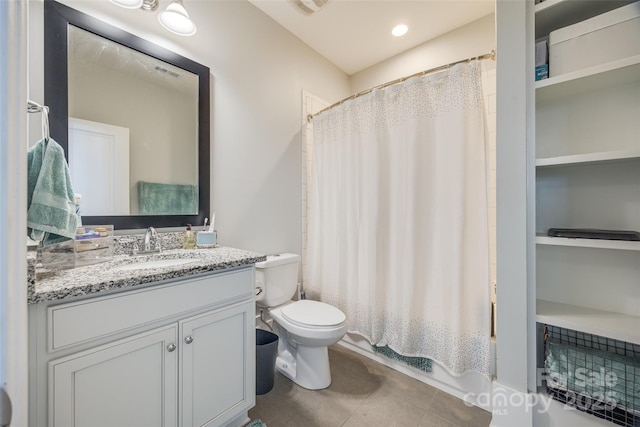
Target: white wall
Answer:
[[258, 72], [473, 39], [515, 348], [14, 354]]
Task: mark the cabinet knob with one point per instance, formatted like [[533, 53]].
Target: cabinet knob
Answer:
[[188, 339], [171, 347]]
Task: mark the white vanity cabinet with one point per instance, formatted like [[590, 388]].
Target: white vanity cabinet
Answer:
[[214, 374], [130, 382], [180, 353]]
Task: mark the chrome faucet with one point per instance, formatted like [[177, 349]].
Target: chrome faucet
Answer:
[[151, 234]]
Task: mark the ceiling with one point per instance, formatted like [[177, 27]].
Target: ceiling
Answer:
[[356, 34]]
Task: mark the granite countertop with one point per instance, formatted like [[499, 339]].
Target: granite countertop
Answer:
[[106, 276]]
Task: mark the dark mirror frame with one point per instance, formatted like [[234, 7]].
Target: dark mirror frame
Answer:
[[57, 18]]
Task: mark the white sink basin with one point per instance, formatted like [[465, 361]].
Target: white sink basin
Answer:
[[159, 263]]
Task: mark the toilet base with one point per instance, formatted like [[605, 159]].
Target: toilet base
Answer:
[[309, 368]]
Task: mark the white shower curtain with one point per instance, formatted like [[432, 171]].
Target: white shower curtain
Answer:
[[398, 234]]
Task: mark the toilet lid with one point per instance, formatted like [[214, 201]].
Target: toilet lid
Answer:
[[313, 313]]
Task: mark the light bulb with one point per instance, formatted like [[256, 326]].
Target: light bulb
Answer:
[[176, 19]]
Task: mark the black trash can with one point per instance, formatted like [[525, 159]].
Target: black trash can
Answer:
[[266, 352]]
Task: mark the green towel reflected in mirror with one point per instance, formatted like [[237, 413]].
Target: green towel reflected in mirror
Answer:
[[167, 199]]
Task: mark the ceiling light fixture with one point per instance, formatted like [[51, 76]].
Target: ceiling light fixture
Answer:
[[176, 19], [128, 4], [149, 5], [400, 30]]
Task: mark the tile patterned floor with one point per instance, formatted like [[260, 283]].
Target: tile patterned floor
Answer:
[[364, 393]]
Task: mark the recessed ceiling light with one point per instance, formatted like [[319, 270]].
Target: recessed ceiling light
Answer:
[[400, 30]]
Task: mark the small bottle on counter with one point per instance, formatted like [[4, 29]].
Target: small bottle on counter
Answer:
[[189, 238]]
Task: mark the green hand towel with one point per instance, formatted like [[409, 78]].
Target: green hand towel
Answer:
[[51, 212], [167, 199]]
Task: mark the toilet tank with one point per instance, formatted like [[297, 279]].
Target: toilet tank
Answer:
[[278, 278]]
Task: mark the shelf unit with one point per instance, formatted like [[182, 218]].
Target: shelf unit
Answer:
[[588, 243], [610, 74], [587, 176], [618, 326], [590, 158], [553, 14]]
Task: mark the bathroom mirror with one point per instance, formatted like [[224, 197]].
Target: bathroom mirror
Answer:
[[133, 119]]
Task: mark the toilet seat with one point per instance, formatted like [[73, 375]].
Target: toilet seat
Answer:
[[313, 314]]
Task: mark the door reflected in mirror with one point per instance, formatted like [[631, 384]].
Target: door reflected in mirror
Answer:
[[133, 130]]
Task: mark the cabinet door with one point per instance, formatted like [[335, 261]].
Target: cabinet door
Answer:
[[131, 382], [218, 365]]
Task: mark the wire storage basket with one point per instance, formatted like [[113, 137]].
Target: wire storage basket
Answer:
[[594, 374]]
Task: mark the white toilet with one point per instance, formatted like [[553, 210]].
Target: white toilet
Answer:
[[305, 328]]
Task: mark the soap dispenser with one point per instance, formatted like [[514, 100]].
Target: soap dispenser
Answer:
[[189, 238]]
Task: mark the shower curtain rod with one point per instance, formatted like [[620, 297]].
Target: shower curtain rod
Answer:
[[490, 55]]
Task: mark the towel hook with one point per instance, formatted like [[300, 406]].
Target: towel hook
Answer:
[[45, 123], [34, 107]]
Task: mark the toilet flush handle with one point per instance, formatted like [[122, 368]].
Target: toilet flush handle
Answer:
[[258, 290]]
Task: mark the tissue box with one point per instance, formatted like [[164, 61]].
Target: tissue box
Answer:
[[206, 239], [604, 38]]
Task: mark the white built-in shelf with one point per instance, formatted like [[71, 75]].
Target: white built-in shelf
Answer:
[[590, 158], [614, 73], [553, 14], [618, 326], [589, 243]]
